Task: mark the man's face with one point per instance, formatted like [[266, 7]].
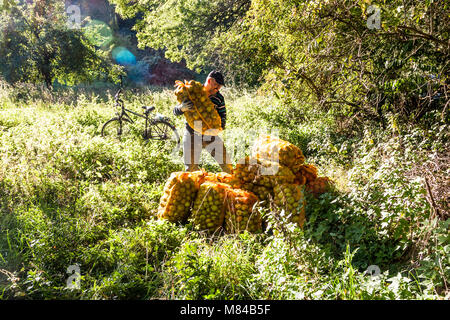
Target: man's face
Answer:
[[212, 86]]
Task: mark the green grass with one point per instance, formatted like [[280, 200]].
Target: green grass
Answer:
[[69, 196]]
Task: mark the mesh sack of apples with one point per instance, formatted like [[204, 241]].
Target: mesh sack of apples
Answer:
[[203, 116], [240, 213], [208, 211], [278, 150], [216, 201], [262, 172], [180, 191], [289, 155], [290, 198]]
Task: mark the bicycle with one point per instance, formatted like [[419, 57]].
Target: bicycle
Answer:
[[156, 128]]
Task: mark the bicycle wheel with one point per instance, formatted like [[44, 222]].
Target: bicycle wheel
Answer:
[[165, 135], [115, 128]]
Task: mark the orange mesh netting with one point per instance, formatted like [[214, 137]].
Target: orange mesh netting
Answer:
[[204, 112]]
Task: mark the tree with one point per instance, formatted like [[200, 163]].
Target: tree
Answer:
[[38, 45], [332, 53], [187, 29], [352, 58]]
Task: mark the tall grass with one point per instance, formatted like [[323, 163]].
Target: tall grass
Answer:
[[69, 196]]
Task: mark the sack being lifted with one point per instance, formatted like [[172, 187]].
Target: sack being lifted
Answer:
[[179, 193], [203, 117], [278, 150]]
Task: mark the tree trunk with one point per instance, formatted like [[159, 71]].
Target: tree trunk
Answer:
[[46, 71]]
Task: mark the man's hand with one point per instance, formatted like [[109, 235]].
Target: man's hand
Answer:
[[186, 105]]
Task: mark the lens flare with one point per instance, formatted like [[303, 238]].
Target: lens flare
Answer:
[[98, 33], [123, 56]]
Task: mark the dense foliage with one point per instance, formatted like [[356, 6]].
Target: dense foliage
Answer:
[[37, 45], [358, 59]]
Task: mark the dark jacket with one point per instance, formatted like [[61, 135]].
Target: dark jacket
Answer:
[[219, 103]]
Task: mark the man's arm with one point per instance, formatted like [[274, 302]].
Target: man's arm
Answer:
[[219, 103], [223, 115]]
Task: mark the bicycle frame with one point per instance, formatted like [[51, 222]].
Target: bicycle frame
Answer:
[[124, 114]]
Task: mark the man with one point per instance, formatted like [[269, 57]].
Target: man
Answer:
[[194, 142]]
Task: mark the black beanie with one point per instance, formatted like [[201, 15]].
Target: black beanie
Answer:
[[216, 75]]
